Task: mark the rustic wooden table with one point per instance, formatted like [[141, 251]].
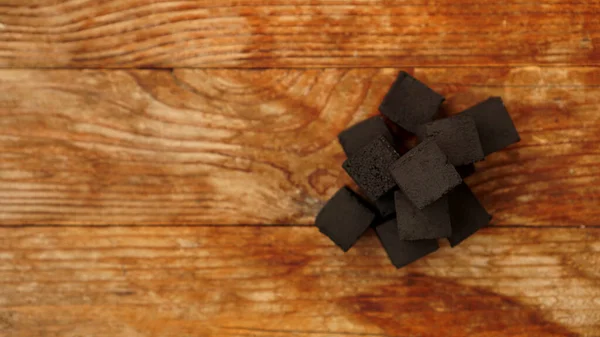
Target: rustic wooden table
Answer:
[[161, 163]]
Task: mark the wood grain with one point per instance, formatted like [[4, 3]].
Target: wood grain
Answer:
[[259, 147], [281, 281], [283, 33]]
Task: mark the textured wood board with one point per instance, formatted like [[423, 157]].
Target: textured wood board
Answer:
[[259, 146], [283, 33], [281, 281], [226, 147]]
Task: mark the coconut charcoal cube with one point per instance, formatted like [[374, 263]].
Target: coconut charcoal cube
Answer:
[[361, 134], [424, 174], [494, 125], [431, 222], [402, 252], [457, 136], [369, 167], [344, 218], [467, 215], [410, 103]]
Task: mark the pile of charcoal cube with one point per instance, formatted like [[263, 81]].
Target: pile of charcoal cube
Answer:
[[417, 196]]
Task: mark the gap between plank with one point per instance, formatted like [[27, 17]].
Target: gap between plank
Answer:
[[269, 226], [399, 66]]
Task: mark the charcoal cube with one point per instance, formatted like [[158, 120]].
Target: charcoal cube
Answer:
[[431, 222], [344, 218], [402, 252], [424, 174], [369, 167], [386, 204], [457, 136], [410, 103], [467, 215], [465, 170], [496, 128], [359, 135]]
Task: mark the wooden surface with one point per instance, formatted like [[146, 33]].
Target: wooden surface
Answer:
[[284, 33], [286, 281], [260, 147], [177, 200]]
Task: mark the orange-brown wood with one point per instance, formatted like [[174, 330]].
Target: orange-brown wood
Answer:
[[284, 33], [259, 146], [282, 281]]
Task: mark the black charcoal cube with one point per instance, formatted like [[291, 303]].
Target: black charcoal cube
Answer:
[[344, 218], [465, 170], [496, 128], [424, 174], [402, 252], [410, 103], [369, 167], [359, 135], [431, 222], [467, 215], [457, 136]]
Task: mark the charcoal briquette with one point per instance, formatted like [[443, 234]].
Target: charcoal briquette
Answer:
[[424, 174], [431, 222], [344, 218], [494, 125], [410, 103], [400, 252], [457, 136], [369, 167], [467, 215], [359, 135]]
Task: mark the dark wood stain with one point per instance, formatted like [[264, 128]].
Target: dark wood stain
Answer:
[[426, 306]]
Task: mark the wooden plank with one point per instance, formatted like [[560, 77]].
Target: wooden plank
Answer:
[[284, 33], [259, 147], [281, 281]]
